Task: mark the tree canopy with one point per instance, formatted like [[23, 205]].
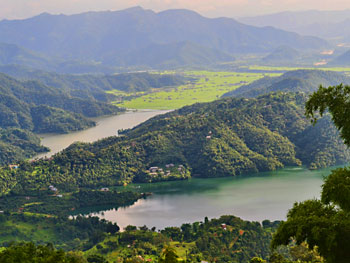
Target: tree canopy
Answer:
[[325, 223]]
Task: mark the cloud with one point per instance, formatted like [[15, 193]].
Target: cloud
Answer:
[[25, 8]]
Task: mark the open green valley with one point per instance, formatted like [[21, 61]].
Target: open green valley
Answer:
[[206, 86]]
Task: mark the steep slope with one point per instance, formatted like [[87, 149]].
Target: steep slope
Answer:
[[17, 144], [100, 36], [30, 106], [292, 81], [224, 138]]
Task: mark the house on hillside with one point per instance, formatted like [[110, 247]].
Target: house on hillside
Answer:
[[13, 166]]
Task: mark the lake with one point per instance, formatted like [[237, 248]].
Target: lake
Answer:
[[105, 126], [261, 196], [256, 197]]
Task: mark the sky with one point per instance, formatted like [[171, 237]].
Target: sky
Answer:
[[18, 9]]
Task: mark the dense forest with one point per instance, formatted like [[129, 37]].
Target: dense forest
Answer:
[[45, 102], [292, 81], [17, 144], [228, 137], [30, 106], [222, 240]]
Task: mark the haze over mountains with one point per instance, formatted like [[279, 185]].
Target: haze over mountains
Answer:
[[325, 24], [130, 37]]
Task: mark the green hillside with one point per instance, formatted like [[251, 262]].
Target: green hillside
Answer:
[[228, 137], [31, 106], [17, 144], [302, 80]]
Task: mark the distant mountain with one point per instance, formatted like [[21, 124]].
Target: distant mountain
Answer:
[[292, 81], [283, 54], [11, 54], [341, 60], [325, 24], [176, 55], [106, 37]]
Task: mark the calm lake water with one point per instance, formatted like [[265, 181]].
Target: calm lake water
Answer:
[[106, 126], [261, 196], [257, 197]]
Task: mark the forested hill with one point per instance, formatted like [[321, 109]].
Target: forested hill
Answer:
[[227, 137], [292, 81], [35, 93], [94, 86], [17, 144], [31, 106]]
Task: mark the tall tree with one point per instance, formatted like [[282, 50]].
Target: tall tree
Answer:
[[325, 223]]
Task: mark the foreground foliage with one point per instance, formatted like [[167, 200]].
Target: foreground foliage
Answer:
[[29, 253], [325, 223]]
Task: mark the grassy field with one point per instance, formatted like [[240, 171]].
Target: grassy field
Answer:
[[208, 87], [20, 231]]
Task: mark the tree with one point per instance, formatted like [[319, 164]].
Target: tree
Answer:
[[30, 253], [325, 223], [168, 255], [257, 260]]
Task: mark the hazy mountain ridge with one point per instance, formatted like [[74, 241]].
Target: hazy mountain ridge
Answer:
[[292, 81], [341, 60], [283, 54], [325, 24], [108, 36], [12, 54]]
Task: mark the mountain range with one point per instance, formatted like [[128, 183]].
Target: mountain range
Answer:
[[139, 37], [333, 25]]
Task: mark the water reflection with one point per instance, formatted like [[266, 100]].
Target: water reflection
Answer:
[[106, 126], [256, 197]]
